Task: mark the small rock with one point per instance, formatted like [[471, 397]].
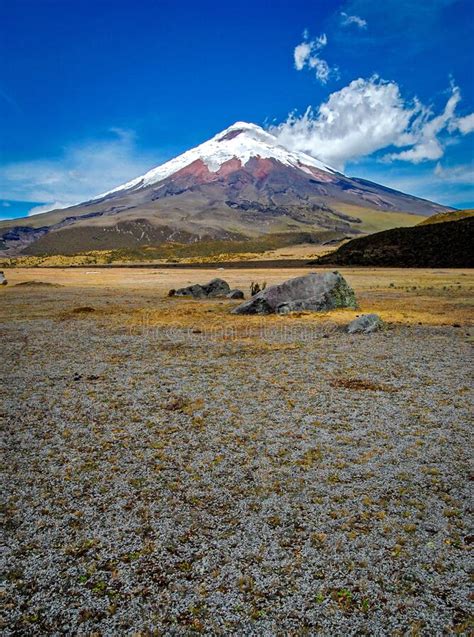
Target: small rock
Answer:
[[3, 280], [235, 294], [196, 291], [365, 324], [175, 404], [214, 289], [86, 309]]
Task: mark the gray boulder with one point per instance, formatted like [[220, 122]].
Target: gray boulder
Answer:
[[3, 280], [214, 289], [196, 291], [317, 292], [365, 324], [235, 294]]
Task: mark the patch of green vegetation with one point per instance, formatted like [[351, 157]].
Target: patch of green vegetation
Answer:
[[311, 457], [81, 548], [99, 588], [258, 613]]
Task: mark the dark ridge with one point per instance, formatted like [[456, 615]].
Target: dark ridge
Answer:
[[447, 245]]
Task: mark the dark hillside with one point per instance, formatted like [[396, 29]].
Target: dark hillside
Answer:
[[447, 245]]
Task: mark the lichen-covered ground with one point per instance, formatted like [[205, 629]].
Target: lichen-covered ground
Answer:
[[170, 469]]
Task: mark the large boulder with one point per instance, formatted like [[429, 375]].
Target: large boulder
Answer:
[[214, 289], [365, 324], [317, 292]]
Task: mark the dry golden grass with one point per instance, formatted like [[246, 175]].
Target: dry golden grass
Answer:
[[301, 251], [135, 296], [304, 251]]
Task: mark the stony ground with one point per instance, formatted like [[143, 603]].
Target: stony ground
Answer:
[[175, 480]]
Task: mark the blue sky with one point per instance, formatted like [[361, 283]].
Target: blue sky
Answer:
[[94, 93]]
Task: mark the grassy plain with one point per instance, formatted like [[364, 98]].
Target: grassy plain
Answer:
[[399, 295]]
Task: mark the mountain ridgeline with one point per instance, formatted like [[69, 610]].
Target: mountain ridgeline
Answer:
[[240, 185]]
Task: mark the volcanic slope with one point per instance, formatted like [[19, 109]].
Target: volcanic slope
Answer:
[[240, 184]]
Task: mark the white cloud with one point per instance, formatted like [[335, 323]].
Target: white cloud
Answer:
[[348, 20], [465, 125], [54, 205], [79, 173], [321, 67], [461, 174], [321, 41], [356, 121], [301, 55], [365, 117], [306, 55], [423, 134], [400, 27]]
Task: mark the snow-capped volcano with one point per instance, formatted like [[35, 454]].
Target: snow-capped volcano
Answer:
[[241, 141], [241, 184]]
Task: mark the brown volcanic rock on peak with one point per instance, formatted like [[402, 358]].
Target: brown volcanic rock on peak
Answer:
[[239, 184]]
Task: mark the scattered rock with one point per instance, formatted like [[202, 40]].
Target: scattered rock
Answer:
[[176, 403], [172, 292], [214, 289], [83, 310], [196, 291], [3, 280], [317, 292], [367, 323], [235, 294]]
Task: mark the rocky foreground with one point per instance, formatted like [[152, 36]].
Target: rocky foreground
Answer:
[[298, 480]]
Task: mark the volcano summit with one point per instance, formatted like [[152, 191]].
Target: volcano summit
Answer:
[[240, 184]]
